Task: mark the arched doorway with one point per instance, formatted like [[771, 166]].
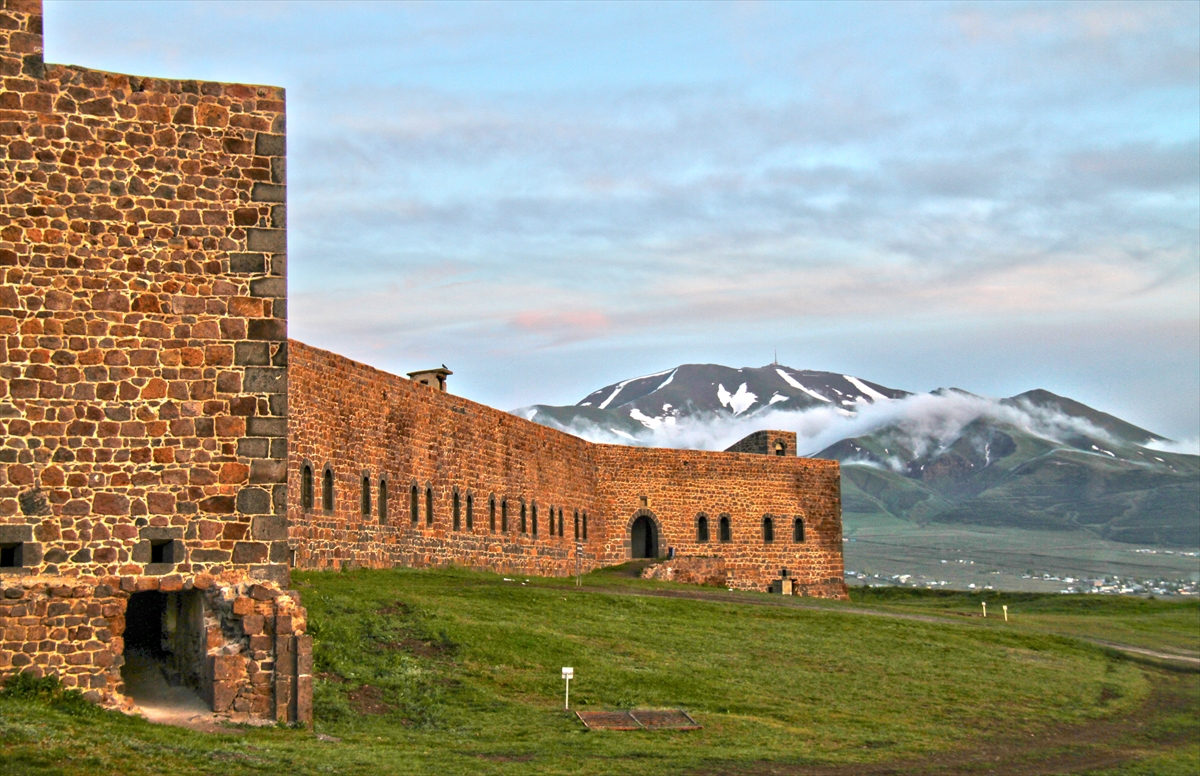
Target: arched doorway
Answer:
[[643, 538]]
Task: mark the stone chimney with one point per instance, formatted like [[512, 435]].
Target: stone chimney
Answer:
[[434, 378]]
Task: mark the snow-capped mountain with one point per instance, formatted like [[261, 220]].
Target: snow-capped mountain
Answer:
[[695, 390], [1035, 460]]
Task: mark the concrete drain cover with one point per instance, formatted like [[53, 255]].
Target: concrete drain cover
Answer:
[[638, 719]]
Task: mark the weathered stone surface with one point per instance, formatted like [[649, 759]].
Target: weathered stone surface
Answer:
[[363, 423], [132, 309]]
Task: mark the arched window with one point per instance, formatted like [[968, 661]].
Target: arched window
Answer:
[[725, 530], [428, 505], [470, 512], [504, 516], [366, 495], [306, 488], [585, 526], [327, 490], [524, 526], [702, 528], [492, 513], [768, 529], [576, 525], [414, 505], [535, 521], [798, 530], [382, 501], [780, 447], [457, 511]]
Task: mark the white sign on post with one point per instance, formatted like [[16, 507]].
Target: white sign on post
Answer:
[[568, 675]]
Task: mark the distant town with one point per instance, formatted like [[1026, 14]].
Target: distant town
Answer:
[[1103, 585]]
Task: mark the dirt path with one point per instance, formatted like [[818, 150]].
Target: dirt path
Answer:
[[161, 703], [1063, 750], [800, 603]]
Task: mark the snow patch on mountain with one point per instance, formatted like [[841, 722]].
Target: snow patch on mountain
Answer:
[[738, 402], [620, 385], [800, 386], [866, 389], [648, 421]]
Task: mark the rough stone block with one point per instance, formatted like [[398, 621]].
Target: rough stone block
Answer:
[[249, 263], [273, 287], [268, 192], [267, 240], [250, 552], [266, 144], [253, 501], [265, 380], [269, 527], [268, 471]]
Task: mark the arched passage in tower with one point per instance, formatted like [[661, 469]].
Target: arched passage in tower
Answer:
[[643, 538]]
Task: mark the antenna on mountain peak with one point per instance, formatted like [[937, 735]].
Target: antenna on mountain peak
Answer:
[[776, 361]]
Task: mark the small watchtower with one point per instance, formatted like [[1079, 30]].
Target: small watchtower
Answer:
[[781, 443], [434, 378]]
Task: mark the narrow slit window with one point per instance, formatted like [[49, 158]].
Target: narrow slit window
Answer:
[[383, 502], [576, 525], [366, 495], [492, 514], [585, 526], [524, 525], [306, 488], [327, 490], [504, 516], [414, 506], [726, 532], [560, 523], [428, 505], [535, 520], [457, 512], [798, 530], [470, 512], [702, 529], [768, 529]]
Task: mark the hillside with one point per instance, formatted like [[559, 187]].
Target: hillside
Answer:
[[1033, 461], [457, 672]]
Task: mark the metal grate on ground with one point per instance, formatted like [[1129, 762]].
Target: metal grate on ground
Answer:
[[638, 719]]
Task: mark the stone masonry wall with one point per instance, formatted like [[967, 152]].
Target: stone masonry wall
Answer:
[[675, 487], [143, 332], [359, 422], [143, 335], [257, 662]]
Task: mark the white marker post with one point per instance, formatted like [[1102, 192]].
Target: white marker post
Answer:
[[1005, 607], [568, 674], [984, 609]]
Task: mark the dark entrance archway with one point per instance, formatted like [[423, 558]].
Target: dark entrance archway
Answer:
[[643, 538], [165, 651]]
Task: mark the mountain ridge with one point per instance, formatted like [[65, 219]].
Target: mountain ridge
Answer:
[[1034, 460]]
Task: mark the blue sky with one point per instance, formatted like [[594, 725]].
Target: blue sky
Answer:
[[552, 197]]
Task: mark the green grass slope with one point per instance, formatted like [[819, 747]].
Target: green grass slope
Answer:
[[453, 672]]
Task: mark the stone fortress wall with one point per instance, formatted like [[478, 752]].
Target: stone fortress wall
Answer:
[[165, 450], [365, 431], [143, 351]]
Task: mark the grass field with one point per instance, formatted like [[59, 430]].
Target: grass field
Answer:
[[458, 672]]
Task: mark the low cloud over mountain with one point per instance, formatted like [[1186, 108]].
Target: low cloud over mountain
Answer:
[[1035, 460]]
